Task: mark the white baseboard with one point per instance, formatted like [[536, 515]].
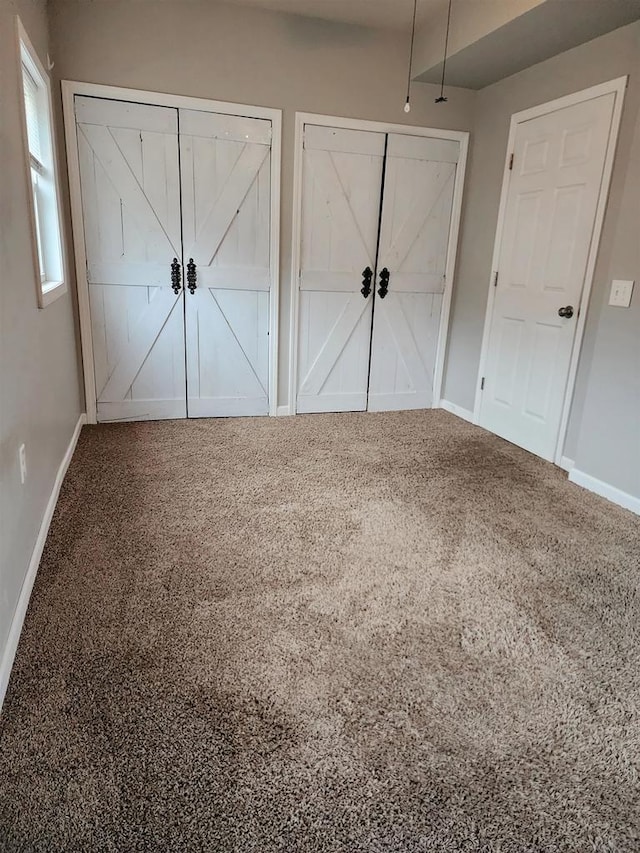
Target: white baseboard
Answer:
[[566, 464], [15, 630], [283, 411], [616, 496], [461, 412]]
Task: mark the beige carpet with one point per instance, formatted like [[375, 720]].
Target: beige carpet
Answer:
[[387, 632]]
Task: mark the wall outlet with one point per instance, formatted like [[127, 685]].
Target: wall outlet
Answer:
[[621, 293], [22, 456]]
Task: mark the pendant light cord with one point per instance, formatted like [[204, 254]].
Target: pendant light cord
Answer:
[[444, 60], [413, 35]]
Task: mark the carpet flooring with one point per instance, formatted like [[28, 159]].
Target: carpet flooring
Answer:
[[389, 632]]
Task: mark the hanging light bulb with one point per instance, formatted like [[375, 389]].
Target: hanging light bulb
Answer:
[[407, 106], [441, 99]]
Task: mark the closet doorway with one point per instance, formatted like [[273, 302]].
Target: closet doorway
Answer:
[[175, 206], [376, 216]]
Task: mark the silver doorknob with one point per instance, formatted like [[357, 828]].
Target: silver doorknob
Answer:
[[567, 311]]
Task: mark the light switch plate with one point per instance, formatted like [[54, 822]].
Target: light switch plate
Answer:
[[621, 293]]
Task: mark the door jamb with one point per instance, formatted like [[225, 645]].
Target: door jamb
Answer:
[[617, 87], [461, 136], [71, 88]]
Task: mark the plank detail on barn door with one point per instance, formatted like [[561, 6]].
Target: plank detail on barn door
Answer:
[[226, 192], [113, 160], [333, 347], [142, 336], [334, 194], [226, 205], [131, 209], [342, 173]]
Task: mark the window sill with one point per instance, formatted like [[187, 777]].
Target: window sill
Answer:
[[50, 291]]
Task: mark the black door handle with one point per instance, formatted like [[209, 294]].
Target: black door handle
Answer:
[[367, 275], [175, 276], [566, 311], [191, 276], [384, 282]]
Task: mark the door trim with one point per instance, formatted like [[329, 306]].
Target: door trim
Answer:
[[461, 136], [616, 87], [71, 88]]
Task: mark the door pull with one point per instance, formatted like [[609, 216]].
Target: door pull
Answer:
[[191, 276], [367, 275], [384, 282], [175, 276]]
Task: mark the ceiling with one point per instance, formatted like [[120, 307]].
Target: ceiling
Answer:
[[388, 14], [540, 33]]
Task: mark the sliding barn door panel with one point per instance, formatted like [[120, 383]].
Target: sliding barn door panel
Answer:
[[414, 235], [342, 173], [226, 198], [129, 173], [548, 227]]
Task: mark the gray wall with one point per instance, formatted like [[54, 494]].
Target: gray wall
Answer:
[[610, 56], [39, 399], [608, 445], [230, 53]]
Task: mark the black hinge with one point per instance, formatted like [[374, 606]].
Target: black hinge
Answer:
[[482, 384], [511, 162], [495, 278]]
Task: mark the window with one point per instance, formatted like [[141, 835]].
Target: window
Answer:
[[39, 143]]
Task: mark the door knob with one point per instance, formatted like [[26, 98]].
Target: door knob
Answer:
[[384, 282], [367, 275], [175, 276], [191, 276], [566, 311]]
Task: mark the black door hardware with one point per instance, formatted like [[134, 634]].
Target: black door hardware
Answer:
[[175, 276], [191, 276], [566, 312], [384, 283], [367, 275]]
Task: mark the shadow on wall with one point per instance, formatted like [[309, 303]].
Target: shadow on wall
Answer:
[[316, 33]]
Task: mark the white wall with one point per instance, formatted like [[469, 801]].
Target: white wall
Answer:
[[39, 398], [233, 53]]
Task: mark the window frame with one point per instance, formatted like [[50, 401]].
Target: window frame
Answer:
[[47, 289]]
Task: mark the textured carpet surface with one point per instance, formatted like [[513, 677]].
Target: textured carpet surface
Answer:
[[388, 632]]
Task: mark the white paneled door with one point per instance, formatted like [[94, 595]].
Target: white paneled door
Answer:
[[376, 216], [176, 209], [552, 197]]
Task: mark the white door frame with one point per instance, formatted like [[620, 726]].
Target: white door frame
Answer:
[[70, 89], [616, 87], [461, 136]]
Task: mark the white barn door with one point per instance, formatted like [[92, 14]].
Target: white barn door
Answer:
[[372, 347], [548, 227], [226, 202], [414, 237], [342, 176], [130, 183]]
